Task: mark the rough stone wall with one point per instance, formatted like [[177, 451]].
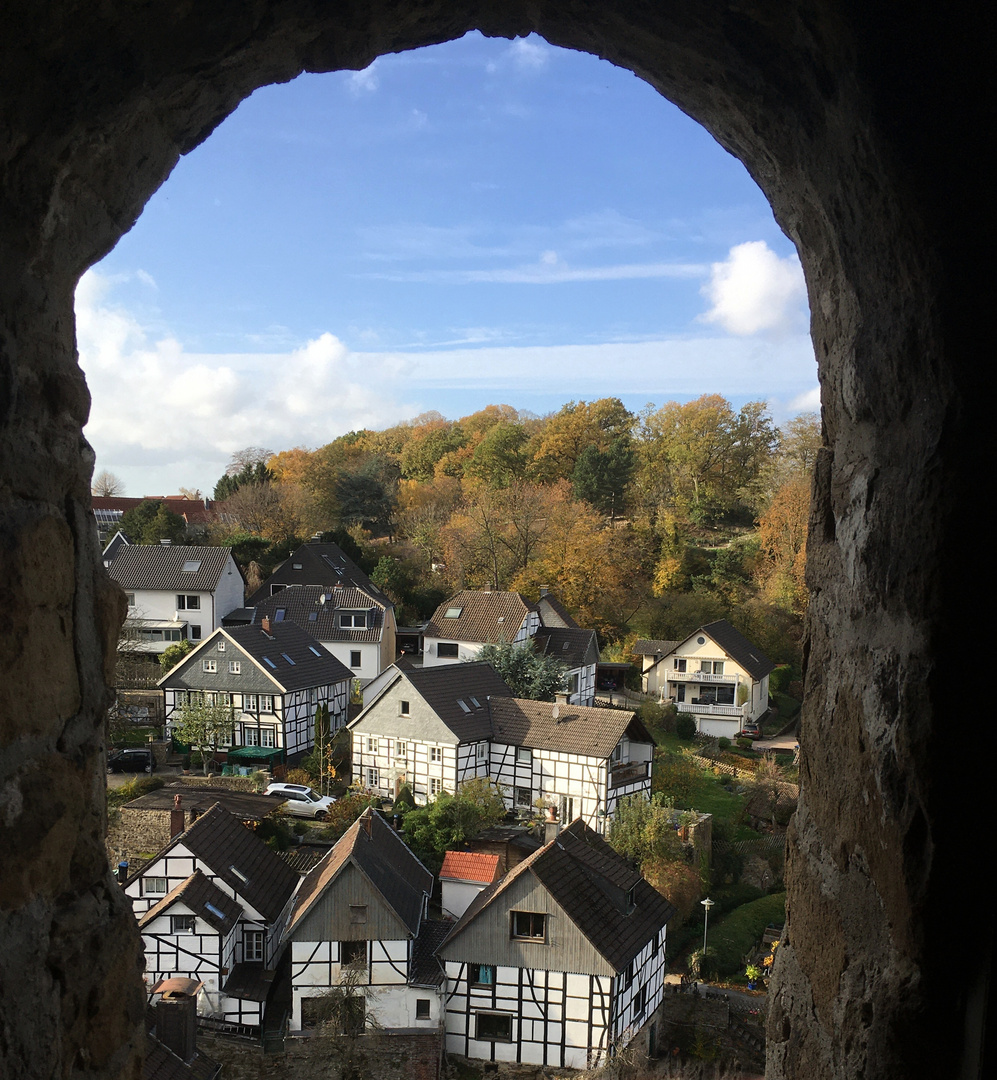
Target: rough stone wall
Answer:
[[860, 121]]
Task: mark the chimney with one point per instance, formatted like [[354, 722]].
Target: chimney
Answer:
[[122, 874], [562, 697], [176, 1023], [544, 589], [164, 541], [551, 825], [265, 624], [488, 587], [177, 817]]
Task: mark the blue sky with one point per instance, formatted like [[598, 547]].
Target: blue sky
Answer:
[[482, 221]]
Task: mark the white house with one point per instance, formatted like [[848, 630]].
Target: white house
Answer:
[[324, 592], [209, 907], [463, 875], [365, 905], [429, 728], [435, 728], [463, 624], [175, 592], [560, 962], [715, 674], [274, 678]]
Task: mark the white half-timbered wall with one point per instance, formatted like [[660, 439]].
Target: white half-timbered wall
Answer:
[[399, 760], [390, 1001], [581, 684], [553, 1017]]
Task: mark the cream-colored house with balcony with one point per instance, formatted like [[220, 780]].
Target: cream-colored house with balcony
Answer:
[[715, 674]]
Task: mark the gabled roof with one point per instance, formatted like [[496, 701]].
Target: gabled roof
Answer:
[[554, 613], [382, 856], [472, 616], [574, 729], [592, 884], [240, 858], [470, 866], [316, 609], [193, 511], [319, 564], [444, 687], [738, 648], [161, 567], [654, 647], [291, 658], [571, 645], [204, 898]]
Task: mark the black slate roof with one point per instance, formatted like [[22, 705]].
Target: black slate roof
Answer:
[[554, 613], [318, 564], [572, 646], [161, 566], [654, 647], [162, 1064], [241, 859], [479, 616], [245, 805], [738, 648], [204, 898], [316, 609], [381, 854], [290, 658], [591, 882], [445, 686], [426, 968]]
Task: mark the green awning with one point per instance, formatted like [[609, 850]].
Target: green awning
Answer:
[[251, 754]]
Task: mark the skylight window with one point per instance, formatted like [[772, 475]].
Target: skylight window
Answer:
[[463, 704], [279, 614], [214, 911], [476, 703], [296, 566], [312, 616], [311, 648], [453, 613], [287, 658], [239, 874], [192, 566], [269, 662]]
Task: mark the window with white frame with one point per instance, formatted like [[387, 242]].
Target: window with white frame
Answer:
[[221, 644], [373, 779], [435, 786], [250, 736], [268, 737], [524, 797], [355, 620], [679, 663], [266, 703], [181, 924], [481, 751], [524, 755], [401, 752], [154, 886], [235, 667], [250, 703], [371, 745], [209, 664], [131, 599], [188, 602], [436, 753], [252, 945]]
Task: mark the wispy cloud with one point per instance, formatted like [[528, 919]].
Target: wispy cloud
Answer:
[[549, 270], [754, 291], [530, 53], [363, 82]]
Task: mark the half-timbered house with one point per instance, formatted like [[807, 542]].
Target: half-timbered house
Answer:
[[580, 760], [561, 962], [273, 677], [427, 727], [362, 913], [209, 907]]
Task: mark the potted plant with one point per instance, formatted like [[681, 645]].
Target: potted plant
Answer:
[[753, 974]]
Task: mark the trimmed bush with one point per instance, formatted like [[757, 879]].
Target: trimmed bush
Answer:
[[685, 726]]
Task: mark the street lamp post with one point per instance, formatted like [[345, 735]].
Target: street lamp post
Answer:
[[707, 904]]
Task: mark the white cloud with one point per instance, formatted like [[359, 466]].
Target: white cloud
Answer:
[[806, 402], [363, 82], [153, 402], [755, 291], [547, 272], [529, 53]]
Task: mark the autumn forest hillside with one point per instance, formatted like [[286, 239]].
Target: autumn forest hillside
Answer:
[[645, 525]]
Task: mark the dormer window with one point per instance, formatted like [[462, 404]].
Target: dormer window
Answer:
[[353, 621]]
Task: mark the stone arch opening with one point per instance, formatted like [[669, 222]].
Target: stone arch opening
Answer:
[[846, 121]]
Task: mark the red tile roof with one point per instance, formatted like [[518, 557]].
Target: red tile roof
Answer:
[[470, 866]]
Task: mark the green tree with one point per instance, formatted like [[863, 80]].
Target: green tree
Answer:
[[173, 654], [152, 521], [644, 829], [600, 477], [525, 671], [450, 820], [240, 475], [202, 724]]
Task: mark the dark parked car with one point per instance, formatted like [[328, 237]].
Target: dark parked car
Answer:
[[751, 730], [135, 760]]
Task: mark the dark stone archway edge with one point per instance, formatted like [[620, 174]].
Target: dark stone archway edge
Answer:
[[862, 121]]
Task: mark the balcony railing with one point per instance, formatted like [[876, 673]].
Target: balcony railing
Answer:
[[740, 711], [631, 773], [700, 677]]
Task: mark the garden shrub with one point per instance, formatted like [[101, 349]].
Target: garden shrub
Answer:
[[685, 726]]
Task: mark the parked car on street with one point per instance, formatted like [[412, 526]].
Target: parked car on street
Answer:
[[301, 800], [135, 759]]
